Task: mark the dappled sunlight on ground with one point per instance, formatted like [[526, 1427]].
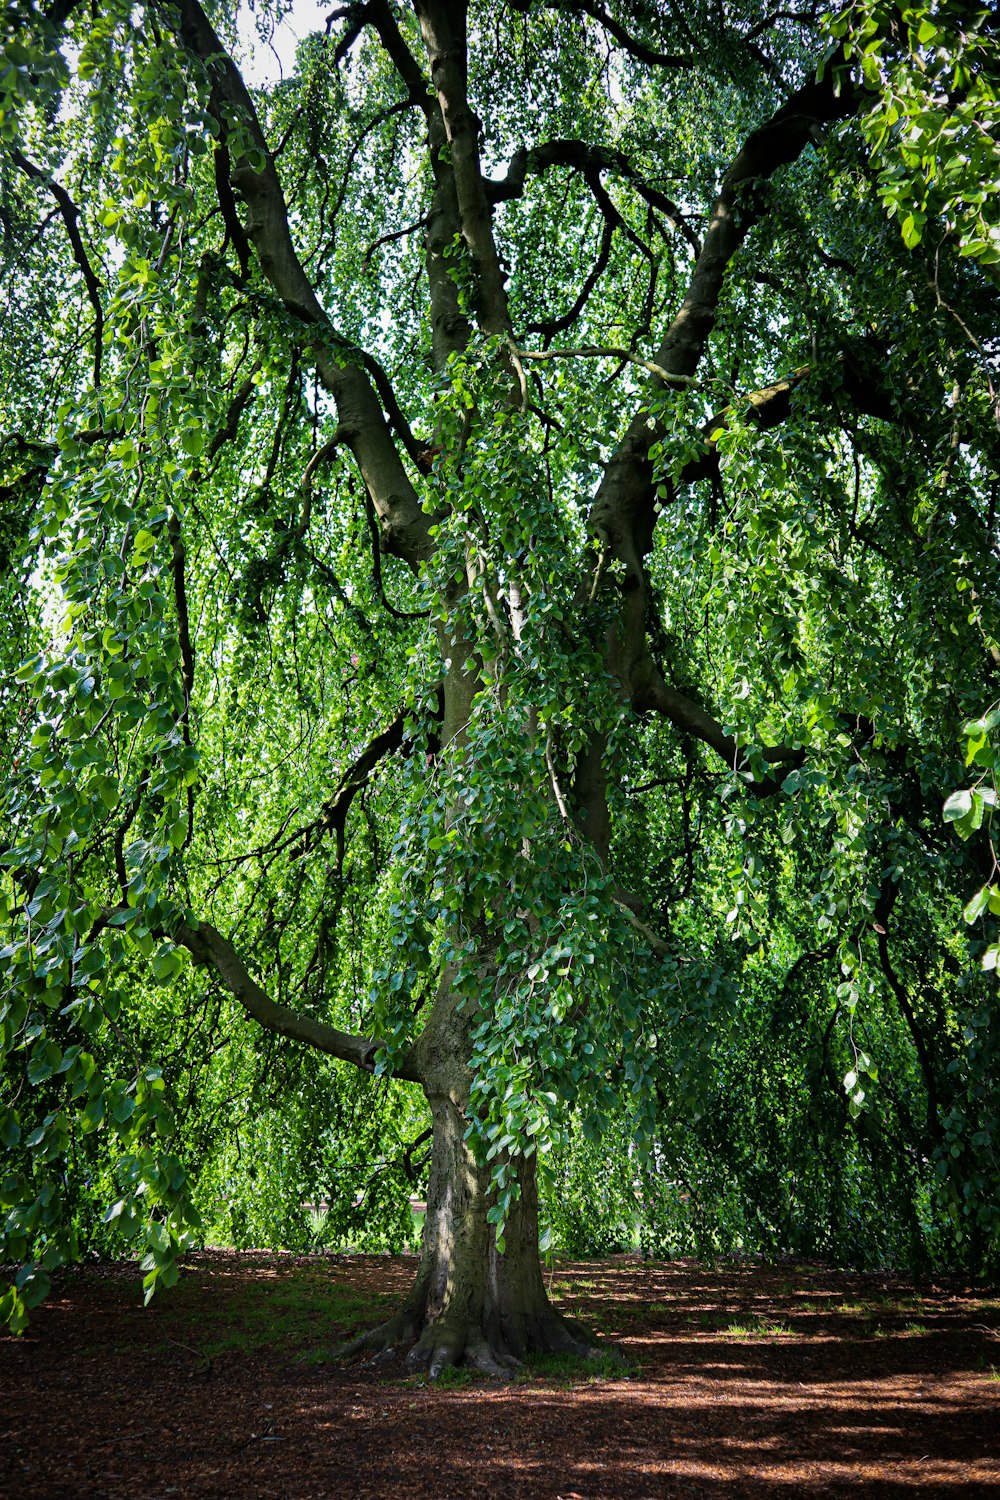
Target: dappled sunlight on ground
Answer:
[[743, 1380]]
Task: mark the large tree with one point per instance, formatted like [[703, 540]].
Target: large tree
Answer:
[[500, 539]]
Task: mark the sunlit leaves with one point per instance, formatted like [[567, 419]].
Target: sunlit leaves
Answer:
[[933, 122]]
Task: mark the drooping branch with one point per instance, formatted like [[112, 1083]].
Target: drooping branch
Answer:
[[651, 693], [590, 161], [71, 218], [597, 351], [626, 40], [390, 238], [623, 507], [208, 948], [549, 327], [883, 911], [623, 514], [333, 816], [177, 567], [397, 614], [390, 403], [355, 16], [380, 118], [340, 366], [229, 430]]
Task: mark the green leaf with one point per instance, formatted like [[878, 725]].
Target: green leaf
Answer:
[[975, 908], [10, 1129], [958, 805], [912, 231]]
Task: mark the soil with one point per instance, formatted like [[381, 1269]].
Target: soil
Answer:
[[742, 1380]]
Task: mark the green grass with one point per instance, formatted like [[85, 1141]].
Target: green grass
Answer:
[[294, 1312], [754, 1327], [571, 1369], [456, 1378]]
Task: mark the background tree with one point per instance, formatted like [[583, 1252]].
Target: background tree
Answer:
[[501, 540]]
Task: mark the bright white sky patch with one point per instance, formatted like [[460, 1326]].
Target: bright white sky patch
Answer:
[[264, 61]]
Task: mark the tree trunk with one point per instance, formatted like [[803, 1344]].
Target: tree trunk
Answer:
[[470, 1303]]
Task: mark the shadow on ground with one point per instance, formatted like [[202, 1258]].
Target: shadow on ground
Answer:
[[744, 1380]]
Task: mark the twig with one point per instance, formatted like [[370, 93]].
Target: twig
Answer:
[[592, 351]]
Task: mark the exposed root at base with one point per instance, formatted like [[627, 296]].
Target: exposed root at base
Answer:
[[382, 1340], [450, 1343]]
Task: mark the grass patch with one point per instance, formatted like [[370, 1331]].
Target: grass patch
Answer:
[[754, 1327], [571, 1369], [457, 1378], [295, 1312]]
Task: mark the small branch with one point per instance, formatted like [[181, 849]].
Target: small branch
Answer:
[[883, 911], [235, 233], [551, 327], [177, 561], [333, 816], [659, 947], [590, 161], [554, 779], [629, 43], [229, 431], [650, 692], [70, 217], [391, 406], [593, 351], [373, 527], [390, 238], [321, 456]]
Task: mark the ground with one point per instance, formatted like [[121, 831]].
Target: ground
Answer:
[[744, 1380]]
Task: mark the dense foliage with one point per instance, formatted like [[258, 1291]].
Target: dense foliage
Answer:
[[531, 566]]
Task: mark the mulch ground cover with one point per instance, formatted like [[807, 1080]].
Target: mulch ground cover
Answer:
[[743, 1380]]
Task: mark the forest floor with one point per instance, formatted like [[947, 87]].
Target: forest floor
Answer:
[[742, 1379]]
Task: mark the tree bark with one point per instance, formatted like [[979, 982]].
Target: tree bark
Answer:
[[471, 1303]]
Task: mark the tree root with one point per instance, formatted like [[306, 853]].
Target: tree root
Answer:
[[382, 1341], [452, 1342]]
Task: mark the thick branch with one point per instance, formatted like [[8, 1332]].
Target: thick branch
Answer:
[[652, 693], [210, 949], [443, 25], [623, 508], [450, 327], [405, 528], [590, 161]]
